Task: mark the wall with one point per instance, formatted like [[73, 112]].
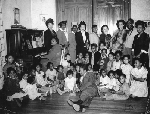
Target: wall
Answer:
[[140, 9], [46, 8]]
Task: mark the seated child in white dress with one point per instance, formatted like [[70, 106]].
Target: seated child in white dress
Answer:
[[138, 86], [126, 68], [103, 85], [87, 58], [51, 75], [123, 93], [112, 82], [40, 80], [70, 83]]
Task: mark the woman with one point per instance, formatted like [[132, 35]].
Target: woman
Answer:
[[119, 36], [54, 55], [140, 44], [49, 34], [82, 39], [72, 44]]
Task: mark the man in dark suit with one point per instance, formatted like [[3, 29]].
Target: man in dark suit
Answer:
[[94, 57], [82, 39], [88, 90], [49, 34]]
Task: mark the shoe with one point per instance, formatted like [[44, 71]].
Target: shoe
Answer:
[[70, 102], [76, 107]]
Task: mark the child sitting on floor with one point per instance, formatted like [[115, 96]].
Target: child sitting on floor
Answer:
[[51, 75], [103, 85], [123, 93], [60, 78], [138, 86], [112, 82], [9, 63], [126, 68], [70, 83]]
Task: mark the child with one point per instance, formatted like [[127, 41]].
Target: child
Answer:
[[60, 78], [66, 62], [126, 68], [110, 61], [89, 67], [112, 81], [117, 75], [11, 87], [78, 76], [80, 59], [102, 46], [9, 63], [21, 64], [123, 93], [87, 58], [103, 83], [51, 75], [72, 67], [40, 76], [103, 59], [139, 84], [117, 63], [70, 83]]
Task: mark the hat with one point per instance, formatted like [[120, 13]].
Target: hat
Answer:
[[93, 26], [49, 21], [74, 24], [62, 22]]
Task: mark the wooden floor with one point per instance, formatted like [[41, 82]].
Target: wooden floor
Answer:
[[58, 105]]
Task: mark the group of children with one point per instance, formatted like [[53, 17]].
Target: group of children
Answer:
[[115, 77]]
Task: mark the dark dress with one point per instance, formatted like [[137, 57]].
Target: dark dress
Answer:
[[48, 35], [141, 43], [81, 45], [106, 39]]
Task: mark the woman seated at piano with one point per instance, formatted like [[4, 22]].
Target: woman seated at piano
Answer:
[[54, 55]]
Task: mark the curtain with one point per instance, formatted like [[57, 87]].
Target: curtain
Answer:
[[108, 14]]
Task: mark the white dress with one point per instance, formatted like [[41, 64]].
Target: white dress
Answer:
[[50, 74], [126, 69], [116, 65], [104, 82], [112, 83], [138, 88], [70, 83], [39, 78]]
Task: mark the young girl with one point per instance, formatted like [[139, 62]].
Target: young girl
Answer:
[[70, 83], [80, 59], [103, 85], [66, 62], [40, 75], [51, 75], [9, 63], [123, 93], [138, 83], [102, 46], [110, 61], [126, 68], [60, 78], [89, 67], [112, 82], [117, 63]]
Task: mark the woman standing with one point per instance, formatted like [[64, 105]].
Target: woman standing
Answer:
[[49, 34], [72, 43], [82, 39], [119, 36]]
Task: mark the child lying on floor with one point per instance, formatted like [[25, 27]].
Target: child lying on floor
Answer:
[[70, 84], [123, 93]]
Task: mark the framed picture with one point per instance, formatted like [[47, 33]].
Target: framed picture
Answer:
[[16, 16], [43, 18]]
